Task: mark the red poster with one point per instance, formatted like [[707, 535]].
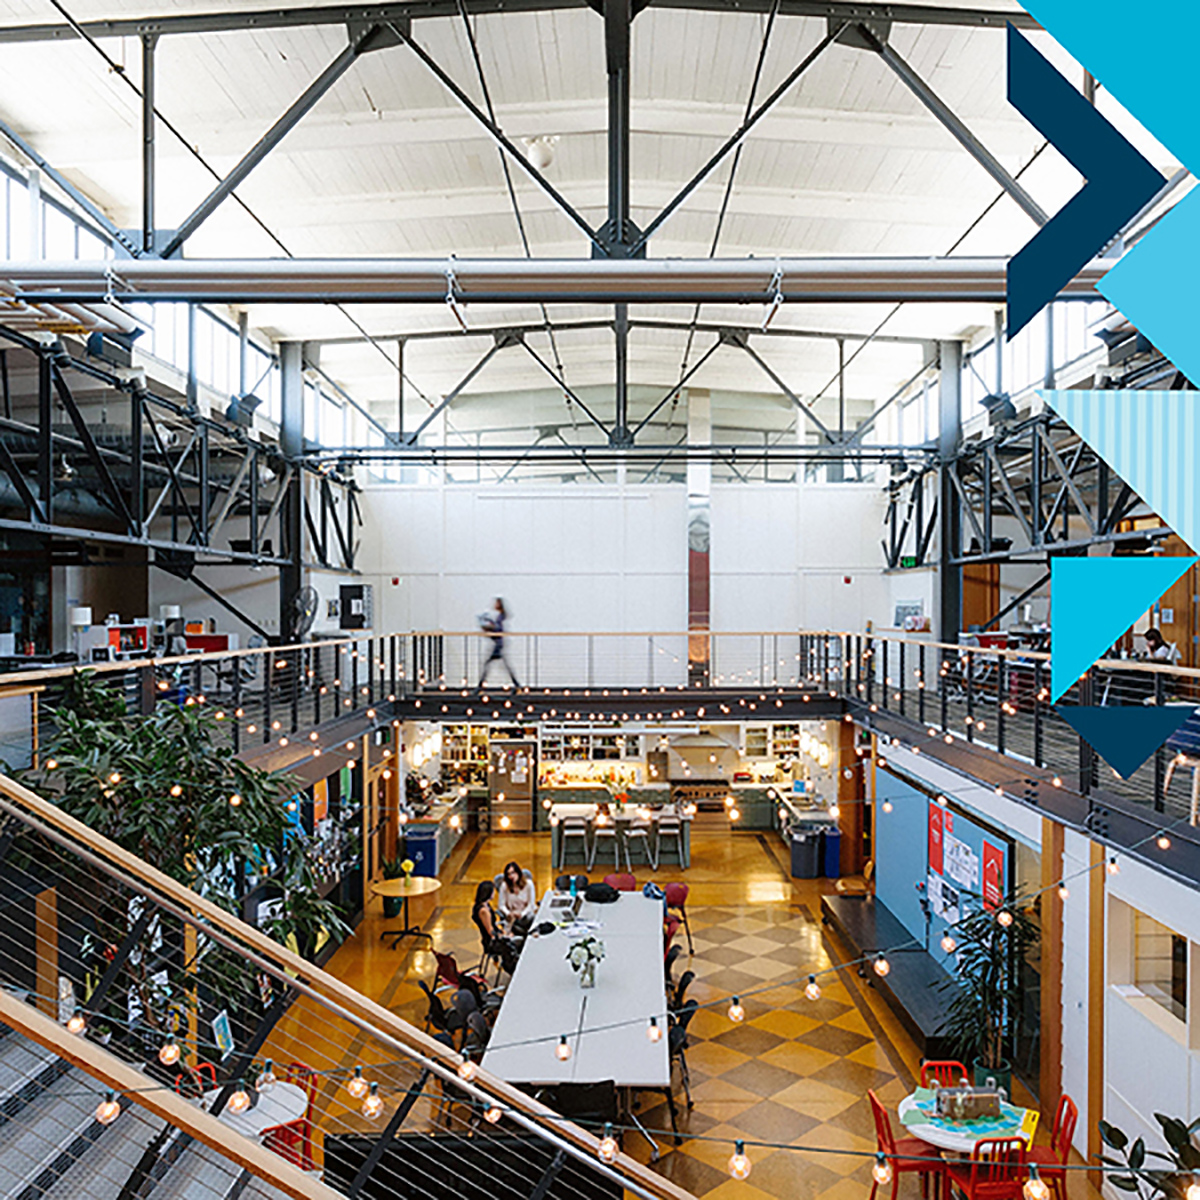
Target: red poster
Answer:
[[993, 875], [935, 839]]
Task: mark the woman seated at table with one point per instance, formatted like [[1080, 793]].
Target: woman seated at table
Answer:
[[517, 899], [495, 944]]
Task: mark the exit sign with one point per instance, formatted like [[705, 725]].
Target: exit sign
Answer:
[[908, 560]]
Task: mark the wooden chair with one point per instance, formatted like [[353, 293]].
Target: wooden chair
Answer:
[[996, 1170], [858, 887], [942, 1073], [907, 1156], [1052, 1162]]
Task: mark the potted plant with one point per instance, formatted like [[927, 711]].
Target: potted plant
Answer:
[[395, 868], [986, 1008], [1171, 1180], [583, 956]]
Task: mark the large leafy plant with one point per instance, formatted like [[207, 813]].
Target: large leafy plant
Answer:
[[1168, 1175], [985, 1010], [166, 788]]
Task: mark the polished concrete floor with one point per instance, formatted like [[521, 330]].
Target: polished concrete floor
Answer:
[[794, 1073]]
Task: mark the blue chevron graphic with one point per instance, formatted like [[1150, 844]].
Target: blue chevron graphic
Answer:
[[1125, 735], [1150, 439], [1119, 182], [1152, 76]]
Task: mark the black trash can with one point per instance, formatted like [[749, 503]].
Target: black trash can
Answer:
[[806, 846], [831, 853]]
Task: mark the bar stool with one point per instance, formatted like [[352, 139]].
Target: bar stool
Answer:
[[604, 828], [668, 824], [639, 831], [572, 827]]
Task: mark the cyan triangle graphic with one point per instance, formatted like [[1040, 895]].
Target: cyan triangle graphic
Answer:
[[1125, 735], [1151, 440], [1094, 600]]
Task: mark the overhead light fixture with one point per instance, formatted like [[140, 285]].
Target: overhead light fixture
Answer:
[[999, 407], [241, 409], [540, 151]]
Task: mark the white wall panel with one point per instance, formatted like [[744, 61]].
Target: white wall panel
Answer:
[[1075, 981]]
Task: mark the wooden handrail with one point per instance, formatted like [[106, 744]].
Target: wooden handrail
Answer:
[[383, 1023], [117, 1074]]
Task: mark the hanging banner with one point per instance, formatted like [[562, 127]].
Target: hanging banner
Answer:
[[993, 875], [935, 839]]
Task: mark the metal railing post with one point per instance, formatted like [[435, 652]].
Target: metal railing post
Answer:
[[921, 683], [970, 695], [1038, 756], [1160, 797], [903, 676], [1001, 703]]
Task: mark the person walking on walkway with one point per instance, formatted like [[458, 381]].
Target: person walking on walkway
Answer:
[[492, 623]]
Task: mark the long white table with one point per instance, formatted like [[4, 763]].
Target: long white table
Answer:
[[544, 1001]]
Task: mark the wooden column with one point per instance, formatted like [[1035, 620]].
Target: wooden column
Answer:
[[1097, 882], [850, 800], [1050, 1078], [45, 948]]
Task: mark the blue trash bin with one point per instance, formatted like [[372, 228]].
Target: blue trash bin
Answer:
[[421, 846], [832, 853]]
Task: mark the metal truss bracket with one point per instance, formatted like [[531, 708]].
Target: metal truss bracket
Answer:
[[370, 35], [508, 337], [877, 33], [612, 242], [775, 288], [734, 337], [456, 307]]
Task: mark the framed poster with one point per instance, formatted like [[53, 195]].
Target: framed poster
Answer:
[[222, 1034]]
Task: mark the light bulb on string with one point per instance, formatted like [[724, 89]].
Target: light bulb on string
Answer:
[[239, 1099], [169, 1052], [881, 1172], [736, 1012], [882, 966], [1163, 842], [607, 1149], [739, 1164], [267, 1078], [1004, 918], [76, 1022], [492, 1115], [1193, 1189], [1063, 893], [887, 806], [949, 945], [654, 1030], [812, 989], [1114, 867], [108, 1110], [357, 1086], [467, 1070], [1035, 1186], [563, 1049], [373, 1104]]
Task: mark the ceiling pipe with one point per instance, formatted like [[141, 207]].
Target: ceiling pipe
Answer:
[[507, 281]]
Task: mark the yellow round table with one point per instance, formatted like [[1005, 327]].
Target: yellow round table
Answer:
[[414, 885]]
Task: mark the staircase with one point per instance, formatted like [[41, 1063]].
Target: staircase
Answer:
[[427, 1134]]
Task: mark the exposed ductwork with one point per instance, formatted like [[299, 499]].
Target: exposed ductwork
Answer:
[[507, 281]]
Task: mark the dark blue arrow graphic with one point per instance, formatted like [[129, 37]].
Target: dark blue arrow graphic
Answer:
[[1119, 182], [1125, 735]]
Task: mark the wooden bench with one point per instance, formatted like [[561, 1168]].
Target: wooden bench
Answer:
[[912, 986]]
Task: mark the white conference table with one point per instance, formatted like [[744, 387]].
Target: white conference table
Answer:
[[544, 1001]]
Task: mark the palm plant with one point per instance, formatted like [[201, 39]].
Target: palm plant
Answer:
[[985, 1011]]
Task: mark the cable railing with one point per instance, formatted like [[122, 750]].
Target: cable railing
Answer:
[[156, 1043]]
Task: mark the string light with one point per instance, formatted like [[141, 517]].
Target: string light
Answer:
[[887, 806], [1114, 867], [51, 764], [373, 1104], [357, 1086], [239, 1100], [1163, 842], [1004, 918], [267, 1078], [1193, 1189], [115, 777], [736, 1012], [834, 811], [177, 790], [235, 800], [108, 1110], [881, 1172], [949, 945], [654, 1032], [1035, 1186], [467, 1070], [76, 1022], [1063, 893], [812, 989], [492, 1115], [168, 1052], [882, 966], [563, 1049], [735, 814], [607, 1150], [739, 1164]]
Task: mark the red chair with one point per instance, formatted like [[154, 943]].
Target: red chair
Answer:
[[944, 1073], [907, 1156], [623, 883], [305, 1078], [996, 1170], [670, 925], [204, 1074], [677, 894], [1052, 1162], [447, 971], [292, 1142]]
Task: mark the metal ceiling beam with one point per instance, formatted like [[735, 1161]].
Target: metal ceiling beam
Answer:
[[305, 102], [783, 387], [510, 281], [291, 18], [635, 455]]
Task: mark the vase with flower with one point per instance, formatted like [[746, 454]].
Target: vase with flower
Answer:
[[583, 956]]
